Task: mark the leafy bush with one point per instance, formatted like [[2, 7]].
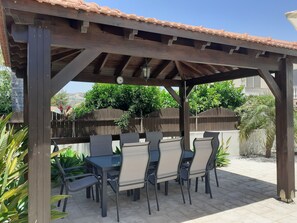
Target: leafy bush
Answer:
[[222, 154], [13, 184], [68, 158]]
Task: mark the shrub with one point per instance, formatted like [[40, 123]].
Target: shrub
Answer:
[[68, 158], [222, 154], [13, 184]]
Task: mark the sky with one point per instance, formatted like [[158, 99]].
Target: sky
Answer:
[[255, 17]]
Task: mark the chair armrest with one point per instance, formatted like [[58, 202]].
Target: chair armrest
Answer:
[[74, 168], [80, 176]]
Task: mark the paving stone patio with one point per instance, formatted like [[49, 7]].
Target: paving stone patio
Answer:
[[246, 194]]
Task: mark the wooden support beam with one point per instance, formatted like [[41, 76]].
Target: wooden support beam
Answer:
[[130, 33], [138, 71], [180, 69], [160, 68], [285, 133], [168, 40], [260, 53], [270, 81], [86, 77], [100, 63], [111, 43], [189, 89], [173, 94], [230, 75], [184, 117], [39, 116], [123, 65], [73, 69]]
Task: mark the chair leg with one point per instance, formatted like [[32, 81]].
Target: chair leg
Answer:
[[117, 204], [215, 171], [188, 187], [92, 192], [97, 189], [208, 184], [159, 186], [156, 196], [65, 200], [61, 192], [147, 197], [181, 189], [196, 186]]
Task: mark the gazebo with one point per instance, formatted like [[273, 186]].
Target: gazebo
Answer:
[[51, 42]]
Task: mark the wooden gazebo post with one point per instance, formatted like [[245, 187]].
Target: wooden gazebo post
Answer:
[[285, 133], [38, 90]]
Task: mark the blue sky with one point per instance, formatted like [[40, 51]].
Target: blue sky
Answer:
[[255, 17]]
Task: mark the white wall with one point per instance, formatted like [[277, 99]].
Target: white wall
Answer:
[[255, 144]]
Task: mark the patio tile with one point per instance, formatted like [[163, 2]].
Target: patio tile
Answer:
[[246, 194]]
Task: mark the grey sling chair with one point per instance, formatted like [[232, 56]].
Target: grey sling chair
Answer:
[[130, 137], [100, 145], [168, 164], [153, 138], [133, 170], [73, 183], [215, 146], [198, 165]]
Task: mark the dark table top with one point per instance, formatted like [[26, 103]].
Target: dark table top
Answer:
[[113, 161]]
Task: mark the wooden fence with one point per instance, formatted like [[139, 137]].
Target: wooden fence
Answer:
[[166, 120]]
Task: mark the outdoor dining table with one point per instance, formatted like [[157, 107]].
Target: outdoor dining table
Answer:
[[105, 164]]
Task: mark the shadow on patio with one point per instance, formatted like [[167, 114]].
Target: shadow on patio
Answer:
[[246, 194]]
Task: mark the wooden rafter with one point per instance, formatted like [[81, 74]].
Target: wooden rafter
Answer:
[[65, 54], [172, 74], [160, 68], [123, 65], [100, 63]]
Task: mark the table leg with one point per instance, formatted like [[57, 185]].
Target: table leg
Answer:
[[104, 194]]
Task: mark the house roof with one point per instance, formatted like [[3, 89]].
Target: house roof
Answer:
[[95, 8]]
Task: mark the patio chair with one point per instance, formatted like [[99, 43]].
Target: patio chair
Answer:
[[153, 138], [215, 146], [168, 164], [73, 183], [198, 166], [130, 137], [133, 170], [100, 145]]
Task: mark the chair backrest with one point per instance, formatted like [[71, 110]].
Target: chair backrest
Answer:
[[153, 138], [135, 161], [169, 160], [215, 146], [100, 145], [57, 160], [202, 154], [130, 137]]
